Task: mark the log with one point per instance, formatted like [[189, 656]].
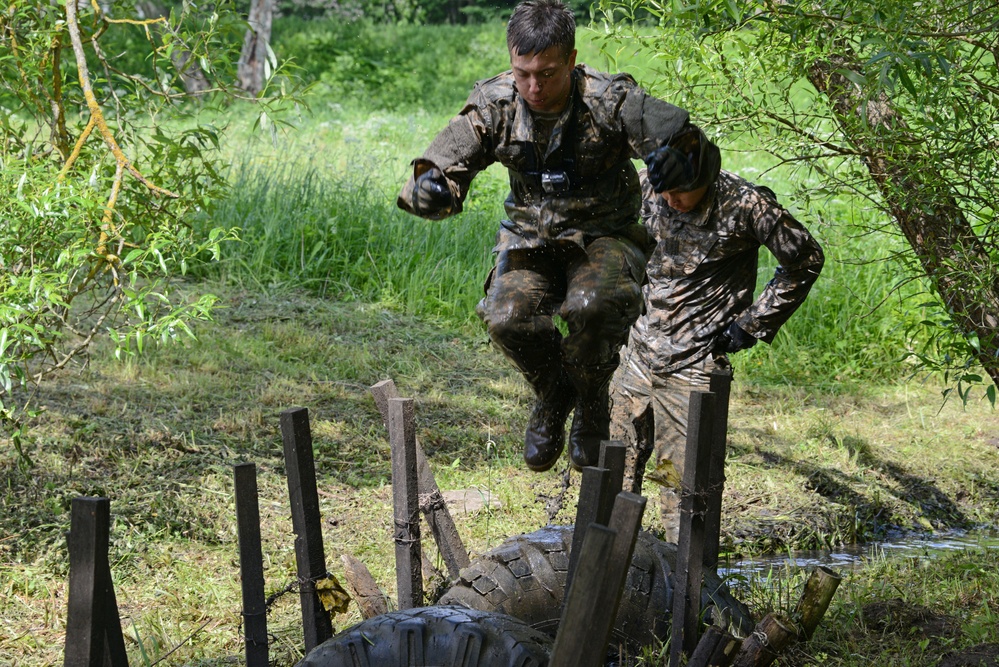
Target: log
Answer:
[[716, 648], [369, 597], [431, 502], [770, 637], [815, 598]]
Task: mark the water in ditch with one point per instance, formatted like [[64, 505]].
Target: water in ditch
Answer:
[[923, 547]]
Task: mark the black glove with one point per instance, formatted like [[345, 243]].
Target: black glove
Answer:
[[734, 339], [432, 195], [668, 169]]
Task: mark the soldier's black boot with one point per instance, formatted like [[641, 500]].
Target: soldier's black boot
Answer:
[[591, 416], [545, 436]]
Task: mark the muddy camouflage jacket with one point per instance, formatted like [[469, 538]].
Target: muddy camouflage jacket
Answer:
[[610, 121], [703, 271]]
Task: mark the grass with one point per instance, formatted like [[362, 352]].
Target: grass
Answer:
[[159, 435], [333, 290]]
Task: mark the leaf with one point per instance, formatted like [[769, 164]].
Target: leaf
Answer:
[[331, 594], [666, 475]]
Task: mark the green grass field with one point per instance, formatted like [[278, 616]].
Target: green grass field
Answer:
[[333, 289]]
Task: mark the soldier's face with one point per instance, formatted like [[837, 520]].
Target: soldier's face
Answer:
[[684, 202], [544, 79]]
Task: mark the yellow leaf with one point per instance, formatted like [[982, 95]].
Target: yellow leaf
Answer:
[[666, 475], [331, 594]]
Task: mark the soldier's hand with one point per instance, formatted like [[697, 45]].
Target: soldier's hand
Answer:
[[668, 169], [431, 195], [734, 339]]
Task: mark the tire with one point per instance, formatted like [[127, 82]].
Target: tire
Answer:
[[525, 577], [440, 636]]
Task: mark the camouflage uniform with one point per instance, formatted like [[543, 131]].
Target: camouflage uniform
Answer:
[[578, 251], [702, 277]]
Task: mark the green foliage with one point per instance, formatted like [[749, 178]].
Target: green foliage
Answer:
[[101, 166], [909, 136], [393, 66]]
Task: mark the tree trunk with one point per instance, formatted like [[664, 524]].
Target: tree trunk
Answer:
[[253, 60], [925, 209]]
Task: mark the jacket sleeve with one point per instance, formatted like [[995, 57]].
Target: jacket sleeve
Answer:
[[800, 261], [648, 122], [461, 150]]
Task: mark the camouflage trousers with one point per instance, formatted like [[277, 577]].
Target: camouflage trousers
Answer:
[[596, 292], [650, 411]]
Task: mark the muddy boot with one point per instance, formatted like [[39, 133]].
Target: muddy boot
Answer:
[[591, 417], [545, 436]]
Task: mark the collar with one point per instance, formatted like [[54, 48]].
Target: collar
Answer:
[[699, 216]]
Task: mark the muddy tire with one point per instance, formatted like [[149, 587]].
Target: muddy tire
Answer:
[[439, 635], [525, 577]]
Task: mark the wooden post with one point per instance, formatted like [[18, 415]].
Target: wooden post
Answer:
[[771, 636], [583, 621], [721, 387], [716, 648], [690, 547], [405, 503], [625, 521], [612, 457], [305, 518], [251, 564], [818, 592], [434, 508], [593, 494], [93, 627]]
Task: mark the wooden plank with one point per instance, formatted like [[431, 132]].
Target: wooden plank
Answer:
[[625, 521], [583, 622], [434, 508], [406, 504], [306, 522], [690, 546], [721, 387], [93, 627], [251, 564], [612, 458], [592, 494]]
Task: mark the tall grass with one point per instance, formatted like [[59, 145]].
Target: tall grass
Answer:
[[343, 239]]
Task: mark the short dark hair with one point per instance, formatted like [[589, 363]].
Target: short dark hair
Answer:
[[536, 25]]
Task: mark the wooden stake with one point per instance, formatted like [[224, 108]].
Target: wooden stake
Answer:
[[720, 386], [406, 504], [93, 627], [251, 564], [306, 522], [433, 507], [583, 622], [690, 547]]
